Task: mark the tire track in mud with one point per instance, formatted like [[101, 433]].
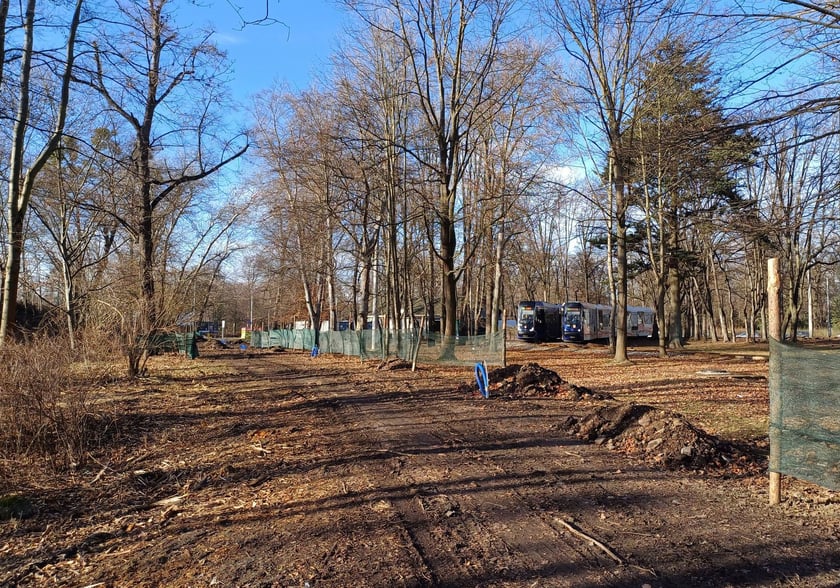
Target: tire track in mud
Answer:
[[363, 477], [464, 508]]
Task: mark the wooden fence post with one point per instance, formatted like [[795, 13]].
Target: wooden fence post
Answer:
[[504, 338], [774, 331]]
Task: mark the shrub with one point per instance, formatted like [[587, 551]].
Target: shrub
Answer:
[[46, 412]]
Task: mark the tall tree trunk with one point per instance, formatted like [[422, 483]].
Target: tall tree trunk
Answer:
[[496, 292], [621, 278], [431, 291], [675, 331], [448, 246], [69, 295], [364, 302], [20, 182]]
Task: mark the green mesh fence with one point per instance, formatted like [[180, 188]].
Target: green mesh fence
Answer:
[[463, 350], [380, 344], [187, 345], [805, 413], [183, 343]]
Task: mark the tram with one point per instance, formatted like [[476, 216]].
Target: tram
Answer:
[[641, 322], [583, 321], [539, 321]]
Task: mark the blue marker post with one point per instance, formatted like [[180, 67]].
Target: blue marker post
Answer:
[[482, 379]]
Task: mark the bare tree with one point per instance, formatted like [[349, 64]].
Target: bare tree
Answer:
[[606, 41], [166, 87], [801, 208], [509, 159], [452, 49], [296, 138], [375, 113], [70, 213], [24, 167]]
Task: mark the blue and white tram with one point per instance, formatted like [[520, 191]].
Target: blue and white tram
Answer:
[[641, 321], [539, 321], [583, 321]]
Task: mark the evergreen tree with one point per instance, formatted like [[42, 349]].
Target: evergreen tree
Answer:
[[683, 162]]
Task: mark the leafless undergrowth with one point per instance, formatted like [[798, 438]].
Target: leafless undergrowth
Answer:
[[48, 411]]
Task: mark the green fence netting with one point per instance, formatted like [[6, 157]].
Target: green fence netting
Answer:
[[378, 344], [805, 413], [183, 343]]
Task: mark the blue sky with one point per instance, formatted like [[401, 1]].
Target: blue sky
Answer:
[[290, 51]]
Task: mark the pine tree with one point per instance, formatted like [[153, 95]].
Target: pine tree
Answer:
[[684, 156]]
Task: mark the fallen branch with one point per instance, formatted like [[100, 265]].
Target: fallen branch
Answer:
[[260, 449], [169, 501], [105, 466], [99, 475], [581, 535], [138, 457]]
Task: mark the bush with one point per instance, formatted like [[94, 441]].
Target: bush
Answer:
[[46, 412]]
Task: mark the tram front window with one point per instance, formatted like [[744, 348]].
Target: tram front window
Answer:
[[572, 320]]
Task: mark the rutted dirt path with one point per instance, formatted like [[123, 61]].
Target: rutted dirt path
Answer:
[[463, 498], [292, 471]]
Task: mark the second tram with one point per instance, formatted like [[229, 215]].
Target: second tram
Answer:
[[583, 321], [641, 321]]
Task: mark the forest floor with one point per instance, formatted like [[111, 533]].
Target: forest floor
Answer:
[[273, 468]]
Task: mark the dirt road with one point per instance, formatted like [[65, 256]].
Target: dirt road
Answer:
[[284, 470]]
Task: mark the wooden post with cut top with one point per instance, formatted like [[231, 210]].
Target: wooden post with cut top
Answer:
[[504, 337], [774, 331]]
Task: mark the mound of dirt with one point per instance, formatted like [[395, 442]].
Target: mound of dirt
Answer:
[[394, 363], [659, 437], [532, 380]]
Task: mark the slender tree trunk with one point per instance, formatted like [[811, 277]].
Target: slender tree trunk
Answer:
[[20, 182], [621, 281], [431, 291], [719, 295], [621, 263], [16, 204], [448, 245], [496, 295], [675, 331], [364, 302], [69, 301]]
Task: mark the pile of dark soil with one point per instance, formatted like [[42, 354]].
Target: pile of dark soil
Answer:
[[659, 437], [532, 380], [393, 363]]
